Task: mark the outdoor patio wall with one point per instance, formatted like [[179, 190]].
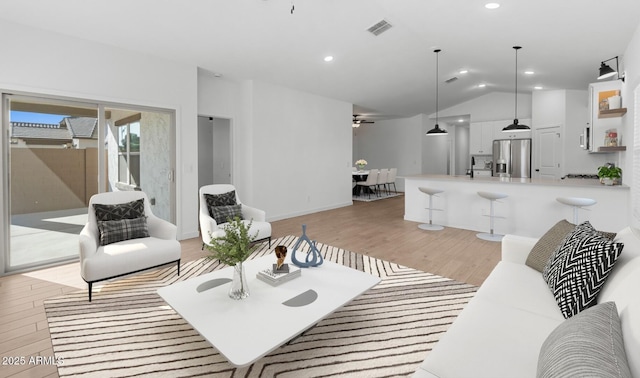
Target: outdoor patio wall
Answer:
[[47, 179]]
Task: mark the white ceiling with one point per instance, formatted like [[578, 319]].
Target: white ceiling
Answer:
[[392, 75]]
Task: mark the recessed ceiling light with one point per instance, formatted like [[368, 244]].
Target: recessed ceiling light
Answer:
[[529, 72], [482, 85], [463, 71], [537, 87], [461, 120], [328, 58], [492, 5]]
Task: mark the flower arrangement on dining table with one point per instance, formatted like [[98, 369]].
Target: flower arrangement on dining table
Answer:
[[361, 164]]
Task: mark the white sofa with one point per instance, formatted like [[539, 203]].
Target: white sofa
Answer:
[[501, 330], [103, 262]]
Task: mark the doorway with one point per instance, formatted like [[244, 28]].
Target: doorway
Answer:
[[214, 151]]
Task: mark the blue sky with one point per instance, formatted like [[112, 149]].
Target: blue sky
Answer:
[[36, 117]]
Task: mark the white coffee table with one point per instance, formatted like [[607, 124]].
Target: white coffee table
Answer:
[[243, 331]]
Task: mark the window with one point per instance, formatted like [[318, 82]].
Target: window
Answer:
[[129, 154]]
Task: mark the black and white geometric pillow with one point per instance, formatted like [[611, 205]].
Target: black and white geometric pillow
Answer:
[[579, 267], [124, 229], [129, 210]]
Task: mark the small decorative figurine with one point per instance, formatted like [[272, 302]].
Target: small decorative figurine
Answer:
[[280, 266], [314, 258]]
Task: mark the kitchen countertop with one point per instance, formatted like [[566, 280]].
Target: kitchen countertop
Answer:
[[579, 182]]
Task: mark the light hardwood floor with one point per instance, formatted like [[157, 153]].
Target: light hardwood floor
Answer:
[[372, 228]]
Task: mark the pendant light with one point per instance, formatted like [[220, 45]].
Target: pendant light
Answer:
[[516, 126], [436, 130], [606, 70]]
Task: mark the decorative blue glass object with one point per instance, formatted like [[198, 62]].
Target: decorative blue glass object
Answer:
[[314, 258]]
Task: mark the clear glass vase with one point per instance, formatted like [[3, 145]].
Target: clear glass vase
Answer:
[[239, 288]]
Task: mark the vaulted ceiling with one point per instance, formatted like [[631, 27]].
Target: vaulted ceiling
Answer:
[[284, 42]]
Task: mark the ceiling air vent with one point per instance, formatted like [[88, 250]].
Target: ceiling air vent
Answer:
[[379, 28], [449, 81]]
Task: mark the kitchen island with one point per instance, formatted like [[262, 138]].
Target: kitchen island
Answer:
[[529, 210]]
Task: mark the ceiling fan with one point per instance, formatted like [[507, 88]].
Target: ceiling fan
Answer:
[[357, 122]]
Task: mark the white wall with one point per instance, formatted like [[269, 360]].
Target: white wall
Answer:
[[108, 74], [569, 110], [462, 158], [631, 67], [395, 143], [492, 106], [291, 150]]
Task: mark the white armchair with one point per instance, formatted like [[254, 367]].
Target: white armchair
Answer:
[[209, 228], [103, 262]]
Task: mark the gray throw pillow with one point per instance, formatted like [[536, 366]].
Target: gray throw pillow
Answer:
[[547, 244], [550, 241], [223, 214], [589, 344], [577, 270], [129, 210], [114, 231]]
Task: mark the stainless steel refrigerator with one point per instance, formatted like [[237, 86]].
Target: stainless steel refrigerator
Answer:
[[512, 158]]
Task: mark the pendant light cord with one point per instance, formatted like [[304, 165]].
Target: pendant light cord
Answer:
[[437, 51], [516, 110]]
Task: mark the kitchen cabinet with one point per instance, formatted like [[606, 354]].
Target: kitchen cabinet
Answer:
[[602, 119], [481, 136]]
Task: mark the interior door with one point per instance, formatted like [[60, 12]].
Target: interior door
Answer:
[[547, 148]]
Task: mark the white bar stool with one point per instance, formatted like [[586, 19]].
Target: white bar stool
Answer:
[[430, 226], [492, 197], [576, 203]]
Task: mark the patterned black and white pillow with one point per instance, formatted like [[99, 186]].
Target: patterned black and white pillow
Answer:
[[129, 210], [579, 267], [113, 231], [223, 214]]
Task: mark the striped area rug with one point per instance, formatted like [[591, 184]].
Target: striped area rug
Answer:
[[128, 330]]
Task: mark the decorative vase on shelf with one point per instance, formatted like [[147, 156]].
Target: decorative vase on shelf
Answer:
[[239, 288]]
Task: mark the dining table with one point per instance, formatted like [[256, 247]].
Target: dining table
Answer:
[[359, 176]]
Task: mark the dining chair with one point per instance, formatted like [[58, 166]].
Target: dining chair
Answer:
[[371, 182], [382, 180], [391, 179]]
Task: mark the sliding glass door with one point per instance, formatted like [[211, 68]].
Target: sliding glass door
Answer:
[[62, 152]]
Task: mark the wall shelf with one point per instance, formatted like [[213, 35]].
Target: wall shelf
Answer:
[[612, 113], [612, 149]]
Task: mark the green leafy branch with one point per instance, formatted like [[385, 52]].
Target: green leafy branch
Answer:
[[236, 244]]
